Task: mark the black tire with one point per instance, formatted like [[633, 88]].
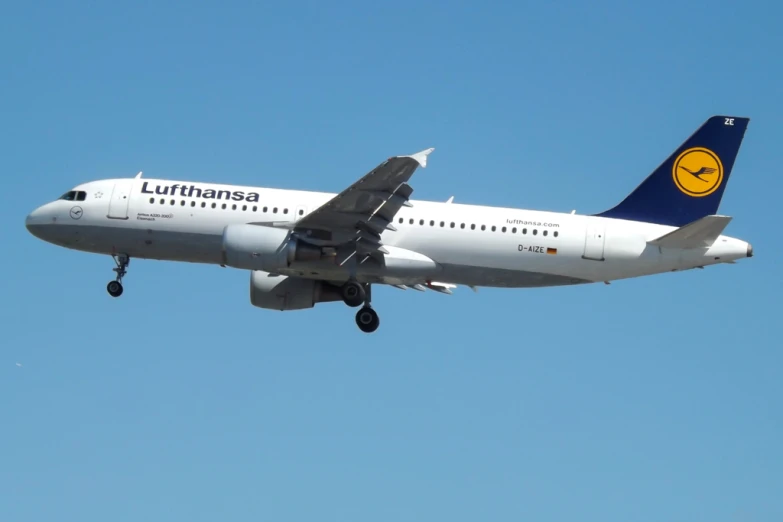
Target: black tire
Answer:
[[353, 294], [367, 320], [114, 288]]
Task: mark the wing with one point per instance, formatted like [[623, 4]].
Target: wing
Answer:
[[354, 220]]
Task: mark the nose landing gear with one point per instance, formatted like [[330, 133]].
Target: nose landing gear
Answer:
[[115, 287]]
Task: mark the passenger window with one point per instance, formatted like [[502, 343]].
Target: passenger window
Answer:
[[173, 202], [483, 227], [400, 221], [255, 208], [421, 222], [214, 205], [473, 227], [274, 210], [203, 204], [503, 229], [524, 231], [183, 202], [192, 203], [462, 225], [493, 228], [545, 232], [514, 230], [162, 201], [266, 209], [555, 233], [244, 207], [301, 213], [152, 200], [432, 222], [285, 211], [441, 224], [411, 221], [535, 232], [233, 207], [452, 224]]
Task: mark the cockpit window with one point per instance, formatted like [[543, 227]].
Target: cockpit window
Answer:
[[74, 195]]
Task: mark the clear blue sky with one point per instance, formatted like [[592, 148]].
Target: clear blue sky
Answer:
[[655, 400]]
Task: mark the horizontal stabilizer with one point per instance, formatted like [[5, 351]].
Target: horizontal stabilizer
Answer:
[[701, 233]]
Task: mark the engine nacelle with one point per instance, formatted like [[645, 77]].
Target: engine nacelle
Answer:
[[276, 292], [258, 247]]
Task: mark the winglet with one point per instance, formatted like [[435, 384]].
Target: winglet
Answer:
[[701, 233], [421, 157]]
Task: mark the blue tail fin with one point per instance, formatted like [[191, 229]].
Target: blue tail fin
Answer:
[[690, 183]]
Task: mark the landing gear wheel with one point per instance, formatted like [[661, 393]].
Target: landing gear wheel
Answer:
[[353, 294], [367, 320], [114, 288]]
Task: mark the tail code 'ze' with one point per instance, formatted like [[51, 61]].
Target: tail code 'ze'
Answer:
[[690, 183]]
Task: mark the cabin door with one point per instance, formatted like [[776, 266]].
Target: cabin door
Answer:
[[595, 237], [120, 199]]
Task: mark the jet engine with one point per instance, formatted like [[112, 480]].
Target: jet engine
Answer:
[[258, 247], [276, 292]]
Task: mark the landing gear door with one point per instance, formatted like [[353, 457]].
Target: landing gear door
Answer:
[[120, 199], [595, 237]]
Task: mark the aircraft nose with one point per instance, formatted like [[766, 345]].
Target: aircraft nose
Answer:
[[35, 222], [30, 220]]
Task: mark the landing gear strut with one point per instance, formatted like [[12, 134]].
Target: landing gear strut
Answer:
[[115, 287], [366, 318]]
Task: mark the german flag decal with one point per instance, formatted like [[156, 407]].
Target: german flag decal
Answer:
[[551, 251]]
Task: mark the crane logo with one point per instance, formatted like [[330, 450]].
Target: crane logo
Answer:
[[697, 172]]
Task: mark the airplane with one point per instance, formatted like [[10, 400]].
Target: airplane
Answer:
[[303, 248]]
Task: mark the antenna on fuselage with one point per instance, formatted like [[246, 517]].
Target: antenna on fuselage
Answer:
[[138, 175]]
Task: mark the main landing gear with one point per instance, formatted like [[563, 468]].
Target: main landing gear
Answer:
[[354, 294], [115, 287], [367, 319]]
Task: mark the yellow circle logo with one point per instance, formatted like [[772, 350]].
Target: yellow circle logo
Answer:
[[697, 172]]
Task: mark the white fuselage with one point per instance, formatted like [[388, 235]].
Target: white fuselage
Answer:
[[470, 244]]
